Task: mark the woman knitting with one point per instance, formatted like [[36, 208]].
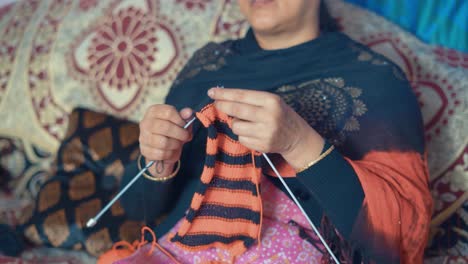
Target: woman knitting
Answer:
[[340, 123]]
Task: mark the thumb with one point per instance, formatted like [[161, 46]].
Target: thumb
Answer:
[[186, 113]]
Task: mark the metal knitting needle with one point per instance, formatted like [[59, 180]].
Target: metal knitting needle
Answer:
[[300, 208], [92, 222]]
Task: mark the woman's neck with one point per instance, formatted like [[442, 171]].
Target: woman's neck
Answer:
[[287, 39]]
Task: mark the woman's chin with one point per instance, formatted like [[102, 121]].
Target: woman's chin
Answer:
[[264, 26]]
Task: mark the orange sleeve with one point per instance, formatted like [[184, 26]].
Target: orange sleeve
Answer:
[[396, 212]]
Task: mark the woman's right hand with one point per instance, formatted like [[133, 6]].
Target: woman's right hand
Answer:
[[162, 136]]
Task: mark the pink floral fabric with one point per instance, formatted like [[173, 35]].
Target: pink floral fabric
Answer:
[[280, 241]]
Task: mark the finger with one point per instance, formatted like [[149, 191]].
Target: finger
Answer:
[[186, 113], [239, 110], [251, 97], [166, 112], [166, 128], [159, 141], [158, 154], [252, 143], [246, 128]]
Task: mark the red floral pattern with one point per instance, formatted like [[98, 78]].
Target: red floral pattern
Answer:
[[51, 115], [118, 55], [193, 4], [11, 37], [452, 57], [122, 50], [85, 5], [5, 9]]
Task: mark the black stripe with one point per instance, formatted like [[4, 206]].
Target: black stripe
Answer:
[[249, 242], [210, 161], [258, 161], [234, 185], [233, 160], [212, 133], [227, 184], [201, 240], [219, 126], [224, 157], [224, 212], [202, 188], [223, 127]]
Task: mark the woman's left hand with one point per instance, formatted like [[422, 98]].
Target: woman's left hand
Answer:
[[265, 123]]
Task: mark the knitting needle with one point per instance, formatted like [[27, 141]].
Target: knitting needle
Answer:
[[300, 208], [92, 222]]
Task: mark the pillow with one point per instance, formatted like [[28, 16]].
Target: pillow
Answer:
[[4, 178], [89, 165], [440, 85], [440, 22], [25, 165], [58, 55], [25, 169], [52, 62]]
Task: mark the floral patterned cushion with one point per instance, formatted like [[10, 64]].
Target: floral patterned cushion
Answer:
[[116, 56], [89, 165]]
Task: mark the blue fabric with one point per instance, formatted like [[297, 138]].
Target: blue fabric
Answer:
[[440, 22]]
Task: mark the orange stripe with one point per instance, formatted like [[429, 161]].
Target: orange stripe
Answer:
[[204, 119], [211, 146], [227, 145], [211, 111], [231, 172], [209, 114], [196, 201], [207, 175], [218, 227], [230, 146], [232, 198], [184, 227]]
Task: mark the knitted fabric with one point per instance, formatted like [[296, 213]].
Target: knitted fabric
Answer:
[[226, 210]]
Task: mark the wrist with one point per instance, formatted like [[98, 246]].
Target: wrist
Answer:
[[157, 179], [158, 169], [307, 148], [161, 169]]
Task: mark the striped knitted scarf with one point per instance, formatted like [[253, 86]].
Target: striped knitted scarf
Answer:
[[226, 210]]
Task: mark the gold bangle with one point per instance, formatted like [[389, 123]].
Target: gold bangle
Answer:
[[158, 179], [312, 163]]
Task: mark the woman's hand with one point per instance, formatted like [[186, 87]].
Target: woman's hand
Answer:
[[162, 136], [265, 123]]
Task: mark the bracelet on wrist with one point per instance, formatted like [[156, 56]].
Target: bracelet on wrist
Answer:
[[315, 161], [159, 179]]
